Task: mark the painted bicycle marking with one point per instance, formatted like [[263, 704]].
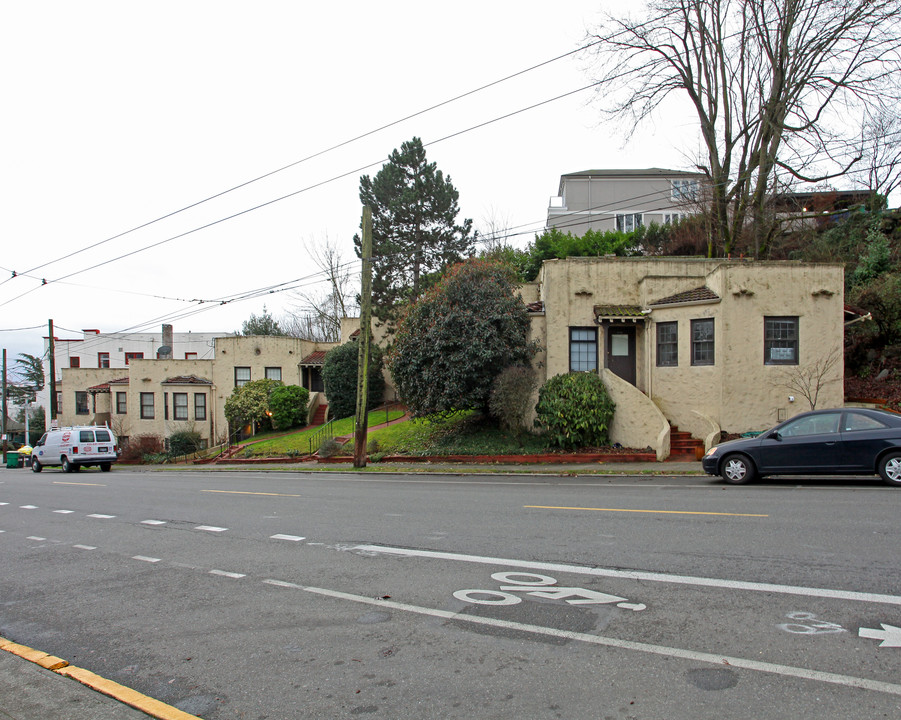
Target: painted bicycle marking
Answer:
[[809, 625], [541, 586]]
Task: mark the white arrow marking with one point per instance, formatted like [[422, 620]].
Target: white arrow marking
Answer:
[[890, 635]]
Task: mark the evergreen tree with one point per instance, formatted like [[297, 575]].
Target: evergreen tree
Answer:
[[263, 324], [414, 230]]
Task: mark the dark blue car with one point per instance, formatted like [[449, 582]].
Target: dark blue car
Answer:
[[843, 441]]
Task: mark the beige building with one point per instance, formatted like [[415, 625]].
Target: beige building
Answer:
[[705, 345], [162, 396]]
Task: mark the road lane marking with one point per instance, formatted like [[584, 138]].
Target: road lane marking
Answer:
[[242, 492], [34, 537], [144, 558], [28, 507], [85, 547], [625, 510], [101, 517], [295, 538], [153, 522], [224, 573], [61, 482], [210, 528], [662, 650], [639, 575], [64, 512]]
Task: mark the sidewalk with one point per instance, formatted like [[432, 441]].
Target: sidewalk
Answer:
[[30, 691]]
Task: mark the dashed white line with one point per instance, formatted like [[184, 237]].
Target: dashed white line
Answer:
[[64, 512], [101, 517], [153, 522], [34, 537], [295, 538], [28, 507], [4, 503], [227, 574], [144, 558], [85, 547], [210, 528]]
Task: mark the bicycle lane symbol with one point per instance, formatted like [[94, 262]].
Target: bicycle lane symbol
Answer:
[[541, 586]]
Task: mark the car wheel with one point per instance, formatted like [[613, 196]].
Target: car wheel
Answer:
[[106, 467], [35, 465], [67, 466], [737, 469], [890, 468]]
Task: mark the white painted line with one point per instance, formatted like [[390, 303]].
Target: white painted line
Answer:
[[223, 573], [4, 503], [28, 507], [637, 575], [39, 539], [102, 517], [153, 522], [295, 538], [64, 512], [692, 655], [210, 528], [85, 547], [145, 558]]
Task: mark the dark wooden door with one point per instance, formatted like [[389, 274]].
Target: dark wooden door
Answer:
[[620, 351]]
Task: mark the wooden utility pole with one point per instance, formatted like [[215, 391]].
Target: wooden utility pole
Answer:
[[4, 406], [362, 415], [53, 408]]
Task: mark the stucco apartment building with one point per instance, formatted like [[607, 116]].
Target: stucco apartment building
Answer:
[[705, 345], [163, 394]]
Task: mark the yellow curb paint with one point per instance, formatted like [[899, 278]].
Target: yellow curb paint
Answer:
[[126, 695], [625, 510]]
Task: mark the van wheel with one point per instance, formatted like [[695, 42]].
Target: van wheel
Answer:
[[35, 465], [106, 467], [67, 466]]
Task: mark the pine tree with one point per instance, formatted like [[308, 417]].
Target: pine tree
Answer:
[[414, 229]]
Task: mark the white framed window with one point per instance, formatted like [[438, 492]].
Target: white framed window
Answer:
[[629, 222], [180, 406], [274, 373], [242, 376], [673, 218], [685, 190], [583, 349]]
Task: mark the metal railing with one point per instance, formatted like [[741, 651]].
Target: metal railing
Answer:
[[327, 431]]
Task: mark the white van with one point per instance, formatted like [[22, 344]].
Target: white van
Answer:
[[76, 447]]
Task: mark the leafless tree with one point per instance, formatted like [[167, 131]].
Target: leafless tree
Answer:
[[772, 83], [317, 313], [495, 231], [880, 170], [808, 380]]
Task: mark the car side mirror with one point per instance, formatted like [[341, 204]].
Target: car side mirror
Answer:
[[776, 435]]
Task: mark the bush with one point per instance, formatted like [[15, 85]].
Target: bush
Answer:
[[511, 397], [329, 447], [288, 406], [184, 442], [339, 376], [141, 445], [575, 410]]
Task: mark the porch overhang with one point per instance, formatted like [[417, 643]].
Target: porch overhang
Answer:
[[619, 314]]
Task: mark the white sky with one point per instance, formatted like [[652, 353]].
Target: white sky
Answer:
[[118, 113]]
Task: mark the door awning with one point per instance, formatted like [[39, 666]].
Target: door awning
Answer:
[[618, 313]]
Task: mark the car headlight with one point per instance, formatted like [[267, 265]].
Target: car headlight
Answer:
[[712, 451]]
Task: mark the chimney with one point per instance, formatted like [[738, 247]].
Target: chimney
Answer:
[[165, 352]]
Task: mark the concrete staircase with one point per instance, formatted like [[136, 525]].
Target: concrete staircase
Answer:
[[683, 447], [319, 415]]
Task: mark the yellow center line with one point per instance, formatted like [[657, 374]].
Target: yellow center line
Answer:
[[239, 492], [668, 512], [60, 482]]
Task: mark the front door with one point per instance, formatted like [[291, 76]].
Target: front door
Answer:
[[621, 351]]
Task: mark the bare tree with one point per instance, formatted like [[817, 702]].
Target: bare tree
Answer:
[[808, 380], [881, 140], [772, 83], [496, 230], [317, 313]]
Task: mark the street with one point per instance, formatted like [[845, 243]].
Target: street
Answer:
[[286, 594]]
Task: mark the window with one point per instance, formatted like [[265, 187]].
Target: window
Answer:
[[147, 406], [242, 376], [780, 341], [129, 356], [104, 436], [673, 218], [86, 436], [165, 406], [628, 223], [74, 362], [667, 344], [583, 349], [180, 406], [856, 421], [685, 190], [121, 403], [103, 360], [823, 424], [274, 373], [190, 356], [702, 342], [81, 403], [200, 406]]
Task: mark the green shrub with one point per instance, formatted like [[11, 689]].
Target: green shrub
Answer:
[[511, 397], [575, 410], [339, 376], [329, 447], [288, 406], [184, 442]]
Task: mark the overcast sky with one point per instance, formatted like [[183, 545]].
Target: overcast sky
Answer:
[[119, 113]]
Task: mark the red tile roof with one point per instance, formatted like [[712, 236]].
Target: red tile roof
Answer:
[[317, 357]]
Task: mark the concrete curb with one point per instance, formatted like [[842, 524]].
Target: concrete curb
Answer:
[[125, 695]]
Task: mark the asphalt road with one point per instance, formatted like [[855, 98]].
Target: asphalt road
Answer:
[[312, 595]]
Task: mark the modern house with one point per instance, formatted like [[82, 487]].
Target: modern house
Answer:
[[623, 199], [705, 345]]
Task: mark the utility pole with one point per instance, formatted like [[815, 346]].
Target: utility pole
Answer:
[[4, 407], [53, 408], [362, 415]]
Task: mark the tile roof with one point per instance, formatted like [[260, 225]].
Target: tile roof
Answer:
[[104, 387], [701, 294], [618, 311], [317, 357], [186, 380]]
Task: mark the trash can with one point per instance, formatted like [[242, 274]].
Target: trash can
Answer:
[[12, 460]]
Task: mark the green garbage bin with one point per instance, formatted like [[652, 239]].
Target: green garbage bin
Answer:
[[12, 460]]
